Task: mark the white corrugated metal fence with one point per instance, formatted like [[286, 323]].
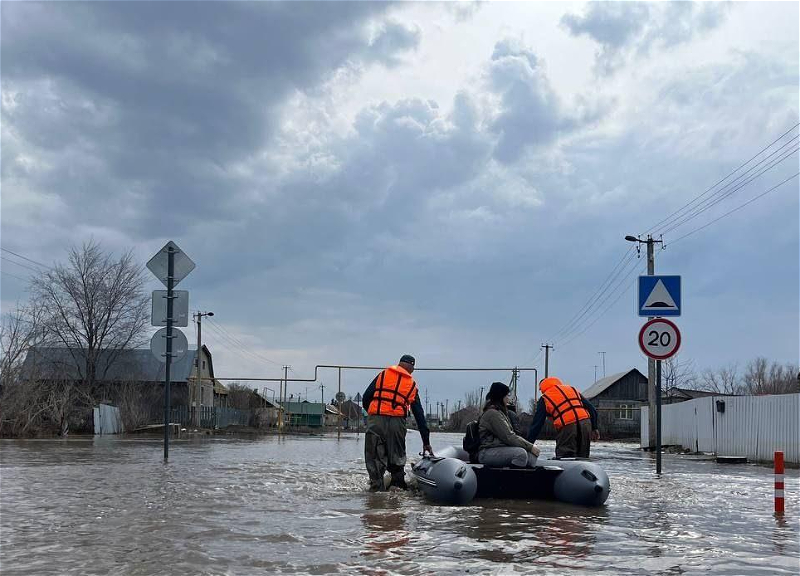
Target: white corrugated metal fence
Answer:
[[751, 426], [107, 420]]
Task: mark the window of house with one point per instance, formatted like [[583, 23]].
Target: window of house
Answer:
[[204, 364], [624, 411]]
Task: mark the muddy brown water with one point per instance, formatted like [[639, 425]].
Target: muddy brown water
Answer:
[[299, 505]]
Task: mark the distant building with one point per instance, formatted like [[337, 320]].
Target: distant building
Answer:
[[617, 399], [307, 414], [675, 395], [133, 366], [354, 417]]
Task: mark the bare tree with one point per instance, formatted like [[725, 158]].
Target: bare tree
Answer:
[[95, 304], [678, 374], [764, 377], [472, 398], [724, 380]]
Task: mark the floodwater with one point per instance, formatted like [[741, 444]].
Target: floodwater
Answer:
[[299, 505]]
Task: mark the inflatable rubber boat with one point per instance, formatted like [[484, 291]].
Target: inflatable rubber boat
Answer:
[[449, 478]]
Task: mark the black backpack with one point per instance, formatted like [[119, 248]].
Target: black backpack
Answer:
[[472, 441]]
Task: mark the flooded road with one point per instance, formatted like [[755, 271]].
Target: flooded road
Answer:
[[299, 505]]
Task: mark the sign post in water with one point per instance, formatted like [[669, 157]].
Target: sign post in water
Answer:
[[659, 339]]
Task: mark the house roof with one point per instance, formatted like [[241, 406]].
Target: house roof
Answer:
[[133, 365], [690, 394], [604, 383], [304, 407]]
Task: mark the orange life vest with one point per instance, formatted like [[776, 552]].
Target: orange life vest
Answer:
[[564, 404], [395, 390]]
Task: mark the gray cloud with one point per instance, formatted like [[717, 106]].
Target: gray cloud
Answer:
[[392, 39], [460, 231], [531, 113], [624, 29], [159, 99]]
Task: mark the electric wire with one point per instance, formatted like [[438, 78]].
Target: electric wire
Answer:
[[231, 345], [710, 188], [15, 276], [235, 340], [601, 314], [728, 213], [21, 264], [612, 287], [729, 193], [32, 261], [682, 215], [606, 284]]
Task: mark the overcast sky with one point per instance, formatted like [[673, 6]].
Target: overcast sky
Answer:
[[356, 181]]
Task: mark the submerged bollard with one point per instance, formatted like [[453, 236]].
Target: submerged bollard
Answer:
[[778, 482]]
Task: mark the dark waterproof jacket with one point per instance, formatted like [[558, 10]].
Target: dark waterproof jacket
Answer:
[[496, 431]]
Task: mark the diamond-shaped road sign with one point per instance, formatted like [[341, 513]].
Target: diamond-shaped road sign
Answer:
[[158, 344], [158, 264], [180, 308], [659, 296]]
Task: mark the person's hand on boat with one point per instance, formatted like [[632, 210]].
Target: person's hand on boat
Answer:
[[426, 449], [535, 451], [595, 434]]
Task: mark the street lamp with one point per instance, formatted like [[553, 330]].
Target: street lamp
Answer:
[[197, 377], [632, 239]]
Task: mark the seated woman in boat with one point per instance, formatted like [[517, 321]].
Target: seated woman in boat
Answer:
[[500, 446]]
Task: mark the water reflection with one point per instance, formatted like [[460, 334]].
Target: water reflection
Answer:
[[384, 522], [299, 505]]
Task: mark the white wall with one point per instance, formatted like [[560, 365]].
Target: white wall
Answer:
[[751, 426]]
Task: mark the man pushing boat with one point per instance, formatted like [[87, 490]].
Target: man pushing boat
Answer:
[[387, 400]]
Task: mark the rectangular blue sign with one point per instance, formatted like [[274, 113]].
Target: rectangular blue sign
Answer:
[[659, 295]]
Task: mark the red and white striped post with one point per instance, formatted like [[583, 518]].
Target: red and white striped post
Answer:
[[778, 482]]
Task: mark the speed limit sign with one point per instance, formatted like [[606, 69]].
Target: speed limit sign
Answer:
[[659, 338]]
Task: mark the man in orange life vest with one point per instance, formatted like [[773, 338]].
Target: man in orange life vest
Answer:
[[573, 416], [387, 400]]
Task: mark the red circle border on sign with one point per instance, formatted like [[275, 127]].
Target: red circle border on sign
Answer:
[[677, 334]]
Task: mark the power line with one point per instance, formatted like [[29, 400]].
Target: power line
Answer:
[[710, 188], [225, 333], [678, 215], [570, 336], [231, 345], [26, 258], [607, 283], [614, 303], [15, 276], [728, 193], [736, 209], [20, 264]]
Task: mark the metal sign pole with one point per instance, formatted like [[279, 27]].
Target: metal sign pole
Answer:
[[339, 400], [170, 297], [658, 416]]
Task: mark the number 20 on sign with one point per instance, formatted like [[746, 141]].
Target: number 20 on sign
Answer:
[[659, 339]]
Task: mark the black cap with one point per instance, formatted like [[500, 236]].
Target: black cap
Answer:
[[497, 391], [408, 359]]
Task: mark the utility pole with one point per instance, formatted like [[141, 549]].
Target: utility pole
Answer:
[[547, 348], [595, 372], [427, 405], [651, 364], [198, 377], [284, 390], [514, 376], [603, 354], [322, 387], [339, 406]]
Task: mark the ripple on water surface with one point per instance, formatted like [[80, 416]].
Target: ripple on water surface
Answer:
[[299, 505]]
